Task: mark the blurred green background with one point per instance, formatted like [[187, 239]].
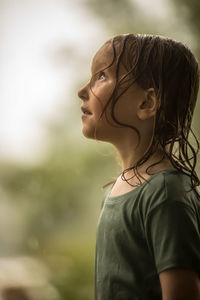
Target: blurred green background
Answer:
[[51, 199]]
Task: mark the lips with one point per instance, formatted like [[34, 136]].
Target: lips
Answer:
[[86, 111]]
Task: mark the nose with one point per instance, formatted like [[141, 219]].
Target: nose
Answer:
[[83, 92]]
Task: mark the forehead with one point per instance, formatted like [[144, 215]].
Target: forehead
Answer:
[[103, 57]]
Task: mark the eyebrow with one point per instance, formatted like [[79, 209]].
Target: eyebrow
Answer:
[[101, 65], [101, 62], [98, 65]]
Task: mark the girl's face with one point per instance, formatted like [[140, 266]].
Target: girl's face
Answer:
[[102, 84]]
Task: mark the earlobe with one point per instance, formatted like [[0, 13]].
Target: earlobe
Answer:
[[148, 105]]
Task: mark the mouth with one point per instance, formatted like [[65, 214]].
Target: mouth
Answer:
[[85, 111]]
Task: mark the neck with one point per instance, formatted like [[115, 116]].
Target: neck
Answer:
[[130, 156], [129, 152]]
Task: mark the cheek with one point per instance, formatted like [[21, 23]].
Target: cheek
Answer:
[[125, 110], [105, 94], [104, 90]]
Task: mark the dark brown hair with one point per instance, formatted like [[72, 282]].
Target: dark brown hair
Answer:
[[172, 70]]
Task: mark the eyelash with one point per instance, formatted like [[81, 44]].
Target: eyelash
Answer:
[[100, 74]]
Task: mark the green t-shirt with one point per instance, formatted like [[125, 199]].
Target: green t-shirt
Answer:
[[143, 232]]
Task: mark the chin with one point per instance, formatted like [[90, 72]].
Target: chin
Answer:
[[92, 137], [89, 134], [101, 134]]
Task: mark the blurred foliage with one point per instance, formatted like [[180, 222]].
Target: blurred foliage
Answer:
[[58, 199], [190, 11], [121, 16], [56, 191], [118, 15], [72, 267]]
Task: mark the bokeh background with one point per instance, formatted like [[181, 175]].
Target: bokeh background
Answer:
[[51, 177]]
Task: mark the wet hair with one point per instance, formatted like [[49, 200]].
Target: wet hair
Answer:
[[172, 70]]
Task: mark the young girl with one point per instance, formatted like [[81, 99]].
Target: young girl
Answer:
[[141, 98]]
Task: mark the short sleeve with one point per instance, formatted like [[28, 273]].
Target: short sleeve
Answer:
[[172, 233]]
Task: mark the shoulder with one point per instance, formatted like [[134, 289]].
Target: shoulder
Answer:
[[171, 220], [165, 187], [105, 195]]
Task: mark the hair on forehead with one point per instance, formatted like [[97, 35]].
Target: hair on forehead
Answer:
[[104, 58]]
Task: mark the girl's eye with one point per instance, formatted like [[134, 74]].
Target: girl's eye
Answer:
[[101, 76]]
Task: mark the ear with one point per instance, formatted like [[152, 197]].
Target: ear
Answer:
[[148, 105]]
